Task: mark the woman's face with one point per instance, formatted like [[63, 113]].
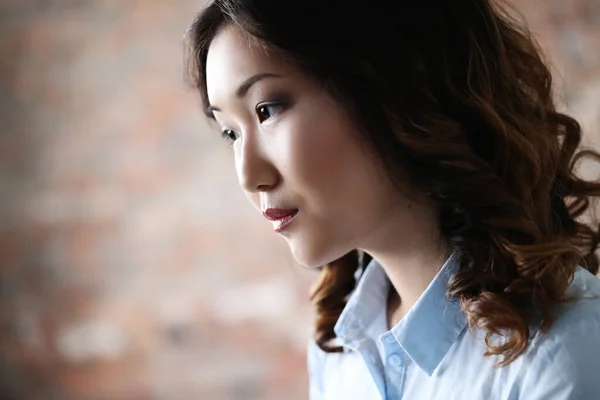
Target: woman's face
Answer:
[[296, 151]]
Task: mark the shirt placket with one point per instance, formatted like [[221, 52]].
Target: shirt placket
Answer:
[[368, 351], [395, 373], [395, 368]]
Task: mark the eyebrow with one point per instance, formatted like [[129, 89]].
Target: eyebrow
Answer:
[[243, 89]]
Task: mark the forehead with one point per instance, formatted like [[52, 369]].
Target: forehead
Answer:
[[232, 57]]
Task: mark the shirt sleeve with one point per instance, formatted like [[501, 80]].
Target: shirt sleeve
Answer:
[[315, 362], [567, 367]]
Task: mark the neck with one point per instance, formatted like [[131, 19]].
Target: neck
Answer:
[[411, 251]]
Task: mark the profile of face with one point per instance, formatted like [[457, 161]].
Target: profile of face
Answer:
[[297, 155]]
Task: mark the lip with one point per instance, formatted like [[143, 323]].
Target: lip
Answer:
[[281, 217], [274, 214]]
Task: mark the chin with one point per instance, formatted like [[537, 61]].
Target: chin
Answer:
[[313, 257]]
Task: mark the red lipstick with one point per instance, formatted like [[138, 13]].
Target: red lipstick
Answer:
[[281, 217]]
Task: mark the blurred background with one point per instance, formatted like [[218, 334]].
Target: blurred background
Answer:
[[131, 265]]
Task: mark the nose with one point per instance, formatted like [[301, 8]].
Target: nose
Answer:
[[256, 172]]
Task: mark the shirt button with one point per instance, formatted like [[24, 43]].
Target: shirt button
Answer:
[[390, 338], [395, 361]]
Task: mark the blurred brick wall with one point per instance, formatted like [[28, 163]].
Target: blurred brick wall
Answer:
[[131, 265]]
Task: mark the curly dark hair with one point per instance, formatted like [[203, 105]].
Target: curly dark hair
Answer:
[[456, 96]]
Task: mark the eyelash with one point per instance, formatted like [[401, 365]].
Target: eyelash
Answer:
[[279, 106], [230, 136]]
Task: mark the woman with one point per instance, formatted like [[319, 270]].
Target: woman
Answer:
[[413, 152]]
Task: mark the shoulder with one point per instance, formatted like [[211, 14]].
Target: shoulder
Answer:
[[564, 362], [581, 310]]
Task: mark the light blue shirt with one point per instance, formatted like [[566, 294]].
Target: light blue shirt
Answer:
[[430, 354]]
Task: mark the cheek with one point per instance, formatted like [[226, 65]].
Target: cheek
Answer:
[[318, 151], [340, 188], [340, 176]]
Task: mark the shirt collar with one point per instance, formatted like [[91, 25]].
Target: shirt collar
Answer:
[[426, 332], [368, 298], [434, 323]]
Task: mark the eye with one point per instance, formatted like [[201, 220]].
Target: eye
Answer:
[[229, 135], [266, 111]]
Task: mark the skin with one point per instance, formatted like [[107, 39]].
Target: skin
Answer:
[[295, 148]]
